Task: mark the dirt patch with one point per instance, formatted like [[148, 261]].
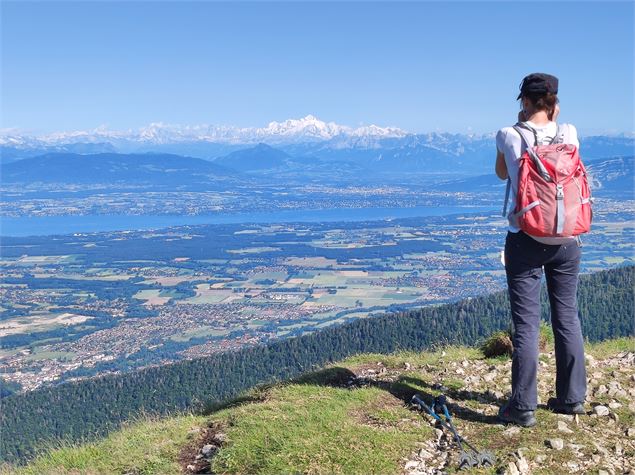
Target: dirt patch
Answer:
[[197, 455], [369, 414], [368, 369]]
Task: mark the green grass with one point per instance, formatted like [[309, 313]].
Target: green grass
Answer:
[[415, 358], [313, 425], [145, 446], [305, 428], [607, 348]]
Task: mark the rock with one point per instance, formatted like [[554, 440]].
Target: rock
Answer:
[[602, 389], [603, 472], [489, 377], [600, 449], [411, 465], [513, 430], [614, 405], [620, 394], [425, 455], [556, 444], [465, 363], [523, 466], [630, 432], [566, 417], [219, 438], [540, 458], [407, 366], [191, 468], [619, 449], [512, 469], [208, 450], [601, 411], [562, 427]]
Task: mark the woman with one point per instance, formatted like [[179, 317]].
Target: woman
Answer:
[[525, 257]]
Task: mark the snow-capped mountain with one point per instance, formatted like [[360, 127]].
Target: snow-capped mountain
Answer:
[[388, 149], [306, 129]]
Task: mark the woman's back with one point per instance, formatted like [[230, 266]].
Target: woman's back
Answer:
[[510, 143]]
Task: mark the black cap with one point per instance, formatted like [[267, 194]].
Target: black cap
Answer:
[[538, 83]]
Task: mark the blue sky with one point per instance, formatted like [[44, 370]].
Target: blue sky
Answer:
[[422, 66]]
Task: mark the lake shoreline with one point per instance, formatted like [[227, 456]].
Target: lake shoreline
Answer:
[[25, 226]]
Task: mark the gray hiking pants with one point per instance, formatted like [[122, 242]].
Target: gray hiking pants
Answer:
[[524, 260]]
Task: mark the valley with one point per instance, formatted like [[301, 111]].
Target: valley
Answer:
[[84, 304]]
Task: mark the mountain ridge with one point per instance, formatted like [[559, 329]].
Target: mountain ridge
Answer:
[[308, 129], [354, 416], [112, 168]]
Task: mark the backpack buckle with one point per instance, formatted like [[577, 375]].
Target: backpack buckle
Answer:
[[559, 192]]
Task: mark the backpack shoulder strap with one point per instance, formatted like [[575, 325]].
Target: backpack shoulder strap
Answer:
[[520, 128], [526, 140], [562, 134], [523, 130]]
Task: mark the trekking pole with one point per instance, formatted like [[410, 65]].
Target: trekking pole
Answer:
[[484, 457], [467, 459]]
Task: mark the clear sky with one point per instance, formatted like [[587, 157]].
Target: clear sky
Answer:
[[422, 66]]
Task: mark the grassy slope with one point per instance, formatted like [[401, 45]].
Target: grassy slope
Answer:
[[315, 424]]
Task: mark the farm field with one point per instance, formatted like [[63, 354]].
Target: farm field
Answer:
[[126, 300]]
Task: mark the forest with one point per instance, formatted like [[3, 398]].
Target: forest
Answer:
[[81, 410]]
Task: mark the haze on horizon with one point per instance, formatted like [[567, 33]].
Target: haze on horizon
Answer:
[[418, 66]]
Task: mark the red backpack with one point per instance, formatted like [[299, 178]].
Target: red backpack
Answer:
[[554, 196]]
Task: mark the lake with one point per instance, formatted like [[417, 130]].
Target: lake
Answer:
[[47, 225]]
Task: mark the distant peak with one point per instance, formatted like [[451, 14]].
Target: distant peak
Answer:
[[305, 129]]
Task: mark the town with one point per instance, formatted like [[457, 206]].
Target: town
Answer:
[[81, 305]]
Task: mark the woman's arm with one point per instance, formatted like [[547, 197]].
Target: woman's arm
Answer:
[[501, 166]]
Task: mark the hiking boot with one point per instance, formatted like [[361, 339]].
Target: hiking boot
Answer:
[[555, 405], [510, 414]]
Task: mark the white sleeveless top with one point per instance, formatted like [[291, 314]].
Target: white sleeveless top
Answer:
[[509, 143]]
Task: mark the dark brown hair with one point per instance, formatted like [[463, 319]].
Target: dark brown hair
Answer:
[[543, 102]]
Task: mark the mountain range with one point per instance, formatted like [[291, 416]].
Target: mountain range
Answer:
[[297, 137], [610, 177], [116, 169], [306, 129], [293, 150]]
